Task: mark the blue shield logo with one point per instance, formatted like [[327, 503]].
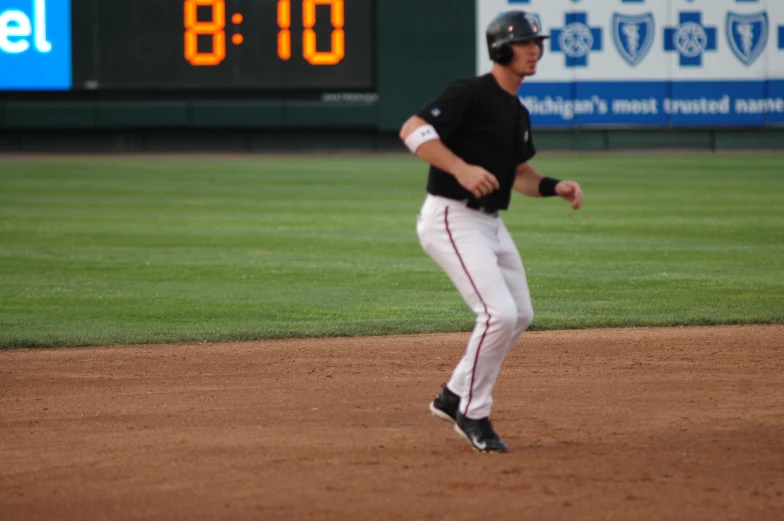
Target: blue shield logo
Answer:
[[633, 36], [748, 35]]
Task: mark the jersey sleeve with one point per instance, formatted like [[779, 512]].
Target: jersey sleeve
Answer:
[[446, 111]]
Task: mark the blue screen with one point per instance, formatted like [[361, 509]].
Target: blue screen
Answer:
[[35, 44]]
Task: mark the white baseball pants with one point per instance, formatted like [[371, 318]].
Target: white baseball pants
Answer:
[[478, 254]]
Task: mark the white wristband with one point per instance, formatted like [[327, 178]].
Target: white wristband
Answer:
[[419, 136]]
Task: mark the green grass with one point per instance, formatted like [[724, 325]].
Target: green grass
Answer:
[[135, 250]]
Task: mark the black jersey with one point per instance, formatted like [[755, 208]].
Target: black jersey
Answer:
[[485, 126]]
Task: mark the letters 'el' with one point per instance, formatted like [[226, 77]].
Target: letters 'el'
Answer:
[[17, 25]]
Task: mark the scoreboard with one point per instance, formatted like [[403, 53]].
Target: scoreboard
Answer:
[[154, 45]]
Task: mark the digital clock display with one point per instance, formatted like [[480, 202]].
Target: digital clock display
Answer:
[[222, 44]]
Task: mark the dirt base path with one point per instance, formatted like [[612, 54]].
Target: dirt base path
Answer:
[[626, 424]]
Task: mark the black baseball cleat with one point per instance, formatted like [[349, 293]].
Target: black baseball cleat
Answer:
[[480, 434], [445, 405]]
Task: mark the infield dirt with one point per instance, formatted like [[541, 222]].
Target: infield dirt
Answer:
[[627, 424]]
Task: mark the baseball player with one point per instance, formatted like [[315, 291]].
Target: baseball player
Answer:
[[476, 136]]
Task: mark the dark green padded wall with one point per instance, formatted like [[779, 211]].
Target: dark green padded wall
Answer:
[[423, 46]]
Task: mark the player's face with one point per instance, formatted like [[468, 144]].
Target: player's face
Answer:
[[526, 57]]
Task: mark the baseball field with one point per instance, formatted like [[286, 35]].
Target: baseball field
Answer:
[[258, 337]]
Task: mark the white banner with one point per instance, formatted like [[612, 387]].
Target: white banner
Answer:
[[652, 62]]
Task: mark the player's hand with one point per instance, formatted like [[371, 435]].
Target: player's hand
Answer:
[[476, 180], [572, 192]]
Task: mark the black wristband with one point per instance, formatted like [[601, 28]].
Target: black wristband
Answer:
[[547, 186]]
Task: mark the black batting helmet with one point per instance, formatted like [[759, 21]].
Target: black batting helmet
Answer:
[[508, 27]]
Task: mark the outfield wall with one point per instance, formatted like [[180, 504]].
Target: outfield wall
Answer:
[[416, 49]]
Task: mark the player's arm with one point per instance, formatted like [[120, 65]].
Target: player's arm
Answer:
[[422, 139], [529, 181]]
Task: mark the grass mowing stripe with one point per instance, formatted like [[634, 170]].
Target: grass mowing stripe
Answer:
[[114, 250]]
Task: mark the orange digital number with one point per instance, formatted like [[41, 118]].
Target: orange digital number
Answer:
[[215, 28], [284, 35], [338, 47]]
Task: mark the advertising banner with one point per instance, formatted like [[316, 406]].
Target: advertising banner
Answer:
[[684, 63], [35, 44]]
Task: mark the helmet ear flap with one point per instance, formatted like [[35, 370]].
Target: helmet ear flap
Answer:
[[504, 54]]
